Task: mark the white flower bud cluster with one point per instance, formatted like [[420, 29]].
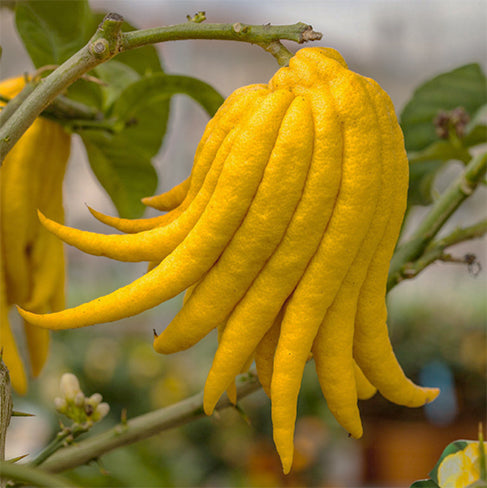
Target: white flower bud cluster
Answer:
[[76, 406]]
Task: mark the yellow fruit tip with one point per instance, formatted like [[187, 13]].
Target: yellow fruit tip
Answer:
[[208, 408], [433, 393], [286, 465]]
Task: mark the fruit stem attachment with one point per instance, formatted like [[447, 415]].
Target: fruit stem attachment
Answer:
[[434, 220]]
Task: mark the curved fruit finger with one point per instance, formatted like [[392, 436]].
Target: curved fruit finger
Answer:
[[150, 245], [372, 348], [324, 275], [264, 355], [237, 184], [333, 346], [365, 389], [257, 310], [255, 240], [171, 199]]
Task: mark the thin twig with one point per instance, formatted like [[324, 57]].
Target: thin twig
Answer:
[[142, 427], [440, 212], [436, 250], [98, 49]]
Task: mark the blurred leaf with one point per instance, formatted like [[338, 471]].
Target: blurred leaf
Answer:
[[51, 30], [116, 76], [123, 169], [463, 87], [161, 87], [440, 151], [477, 128], [424, 165], [87, 92], [421, 178], [424, 484], [452, 448]]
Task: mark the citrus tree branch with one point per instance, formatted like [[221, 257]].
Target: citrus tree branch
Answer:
[[142, 427], [265, 36], [436, 250], [5, 409], [108, 41], [102, 47], [31, 476], [440, 212]]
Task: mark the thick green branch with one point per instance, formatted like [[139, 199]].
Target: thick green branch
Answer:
[[95, 52], [440, 212], [265, 36], [109, 41], [254, 34], [141, 427]]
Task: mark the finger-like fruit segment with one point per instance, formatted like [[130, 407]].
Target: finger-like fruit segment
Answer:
[[31, 177], [257, 237], [170, 199]]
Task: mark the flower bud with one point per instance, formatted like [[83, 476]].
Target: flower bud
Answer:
[[69, 386], [60, 404], [79, 399], [101, 411], [94, 399]]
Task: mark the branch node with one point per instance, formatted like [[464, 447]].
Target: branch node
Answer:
[[99, 48], [465, 187], [309, 34]]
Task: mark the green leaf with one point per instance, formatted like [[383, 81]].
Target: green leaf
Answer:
[[452, 448], [424, 484], [161, 87], [123, 168], [476, 132], [425, 164], [122, 160], [116, 76], [421, 178], [51, 30], [463, 87]]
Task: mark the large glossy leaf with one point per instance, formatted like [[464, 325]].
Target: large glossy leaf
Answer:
[[123, 168], [463, 87], [53, 30]]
